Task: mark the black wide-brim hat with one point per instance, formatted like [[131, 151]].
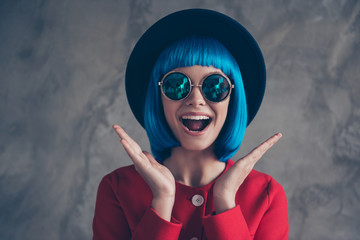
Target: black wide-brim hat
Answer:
[[202, 22]]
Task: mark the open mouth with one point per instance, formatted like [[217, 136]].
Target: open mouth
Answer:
[[195, 123]]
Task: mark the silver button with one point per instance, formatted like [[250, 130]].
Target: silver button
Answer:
[[197, 200], [194, 238]]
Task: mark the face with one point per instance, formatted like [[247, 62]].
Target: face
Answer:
[[195, 121]]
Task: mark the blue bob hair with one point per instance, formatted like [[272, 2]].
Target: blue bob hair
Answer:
[[190, 51]]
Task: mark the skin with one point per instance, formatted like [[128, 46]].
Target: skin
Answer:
[[196, 103], [194, 162]]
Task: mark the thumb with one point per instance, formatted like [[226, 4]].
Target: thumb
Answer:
[[150, 157]]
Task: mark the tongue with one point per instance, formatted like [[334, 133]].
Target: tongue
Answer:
[[195, 125]]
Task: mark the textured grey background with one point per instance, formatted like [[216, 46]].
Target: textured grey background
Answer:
[[62, 87]]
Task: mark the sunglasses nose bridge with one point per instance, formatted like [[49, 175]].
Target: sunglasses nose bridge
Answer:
[[195, 97]]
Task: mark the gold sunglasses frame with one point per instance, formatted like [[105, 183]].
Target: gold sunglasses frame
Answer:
[[160, 83]]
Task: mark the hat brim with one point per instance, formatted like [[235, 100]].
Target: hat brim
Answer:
[[202, 22]]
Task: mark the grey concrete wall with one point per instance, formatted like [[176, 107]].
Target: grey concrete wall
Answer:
[[62, 87]]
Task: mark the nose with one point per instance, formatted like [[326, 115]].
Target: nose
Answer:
[[195, 98]]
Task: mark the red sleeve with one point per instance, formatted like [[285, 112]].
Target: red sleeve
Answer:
[[227, 225], [110, 222], [275, 224], [152, 226]]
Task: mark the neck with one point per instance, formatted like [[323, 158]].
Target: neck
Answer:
[[194, 168]]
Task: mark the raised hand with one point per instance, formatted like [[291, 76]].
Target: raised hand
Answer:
[[157, 176], [227, 185]]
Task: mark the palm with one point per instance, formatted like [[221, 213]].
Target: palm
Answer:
[[227, 185], [158, 177]]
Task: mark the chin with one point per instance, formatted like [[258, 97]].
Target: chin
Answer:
[[196, 146]]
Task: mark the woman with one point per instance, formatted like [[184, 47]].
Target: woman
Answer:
[[194, 80]]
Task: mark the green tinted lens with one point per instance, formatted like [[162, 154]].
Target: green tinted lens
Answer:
[[216, 88], [176, 86]]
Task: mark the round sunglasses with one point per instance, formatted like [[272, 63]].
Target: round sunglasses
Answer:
[[177, 86]]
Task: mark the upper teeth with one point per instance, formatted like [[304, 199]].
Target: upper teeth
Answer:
[[195, 117]]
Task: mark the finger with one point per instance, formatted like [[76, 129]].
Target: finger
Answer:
[[123, 135], [150, 157], [260, 150], [138, 159]]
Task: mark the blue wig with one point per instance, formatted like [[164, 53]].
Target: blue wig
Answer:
[[204, 51]]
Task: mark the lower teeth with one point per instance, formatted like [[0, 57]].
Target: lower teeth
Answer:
[[194, 130]]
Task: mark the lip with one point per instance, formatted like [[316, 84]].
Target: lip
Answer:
[[191, 133]]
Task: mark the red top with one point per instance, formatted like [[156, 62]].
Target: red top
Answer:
[[123, 210]]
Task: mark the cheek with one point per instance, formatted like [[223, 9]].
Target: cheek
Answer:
[[170, 108], [222, 110]]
